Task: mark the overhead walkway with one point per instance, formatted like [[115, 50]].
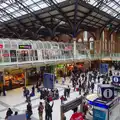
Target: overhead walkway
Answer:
[[22, 53]]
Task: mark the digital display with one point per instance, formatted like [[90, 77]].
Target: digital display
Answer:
[[25, 47]]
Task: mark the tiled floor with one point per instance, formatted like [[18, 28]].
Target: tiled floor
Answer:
[[16, 101]]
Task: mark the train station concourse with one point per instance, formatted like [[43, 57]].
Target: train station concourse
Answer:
[[59, 59]]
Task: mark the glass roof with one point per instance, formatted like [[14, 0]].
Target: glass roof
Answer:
[[112, 7], [10, 9]]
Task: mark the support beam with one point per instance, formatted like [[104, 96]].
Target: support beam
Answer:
[[117, 27], [75, 18], [87, 14], [60, 11], [34, 15]]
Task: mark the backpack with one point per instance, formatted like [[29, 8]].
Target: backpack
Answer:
[[41, 108]]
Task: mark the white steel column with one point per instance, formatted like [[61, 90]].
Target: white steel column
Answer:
[[74, 49], [25, 77]]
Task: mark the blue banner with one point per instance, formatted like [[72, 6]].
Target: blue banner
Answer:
[[49, 80], [104, 68], [18, 117], [99, 115]]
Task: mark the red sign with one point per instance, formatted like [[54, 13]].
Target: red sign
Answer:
[[77, 116], [6, 55], [1, 46], [68, 48]]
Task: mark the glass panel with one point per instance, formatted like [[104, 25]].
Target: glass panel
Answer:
[[6, 55], [13, 55], [109, 7], [23, 55], [1, 56]]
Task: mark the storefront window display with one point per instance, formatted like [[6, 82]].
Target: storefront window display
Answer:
[[60, 70], [32, 76], [14, 78]]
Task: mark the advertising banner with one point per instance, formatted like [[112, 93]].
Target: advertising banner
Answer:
[[99, 115], [49, 80], [103, 68]]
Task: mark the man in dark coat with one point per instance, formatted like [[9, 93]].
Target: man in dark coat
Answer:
[[50, 111]]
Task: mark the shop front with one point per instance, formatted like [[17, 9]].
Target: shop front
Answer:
[[60, 70], [14, 78], [32, 76], [1, 79]]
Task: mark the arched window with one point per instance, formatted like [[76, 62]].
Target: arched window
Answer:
[[91, 40]]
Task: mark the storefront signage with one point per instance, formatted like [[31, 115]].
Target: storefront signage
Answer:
[[25, 47], [1, 46]]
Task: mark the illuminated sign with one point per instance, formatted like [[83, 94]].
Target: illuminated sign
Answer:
[[1, 46], [25, 47]]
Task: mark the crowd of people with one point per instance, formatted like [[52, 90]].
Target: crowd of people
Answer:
[[82, 82]]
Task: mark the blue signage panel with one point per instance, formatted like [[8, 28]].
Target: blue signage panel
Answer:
[[103, 68], [99, 115], [116, 79], [49, 80], [107, 93]]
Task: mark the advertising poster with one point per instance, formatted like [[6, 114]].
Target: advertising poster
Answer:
[[103, 68], [49, 80], [99, 115]]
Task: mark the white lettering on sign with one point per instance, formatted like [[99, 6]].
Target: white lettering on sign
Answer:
[[116, 79], [108, 93]]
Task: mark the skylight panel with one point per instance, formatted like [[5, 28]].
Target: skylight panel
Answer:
[[28, 2], [42, 5], [3, 5], [34, 7], [9, 9]]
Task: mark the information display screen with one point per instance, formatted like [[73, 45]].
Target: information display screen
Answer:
[[25, 47]]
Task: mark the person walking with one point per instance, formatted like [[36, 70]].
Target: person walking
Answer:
[[46, 108], [8, 113], [79, 88], [29, 111], [92, 86], [40, 111], [85, 108], [68, 91], [0, 91], [4, 91], [50, 111]]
